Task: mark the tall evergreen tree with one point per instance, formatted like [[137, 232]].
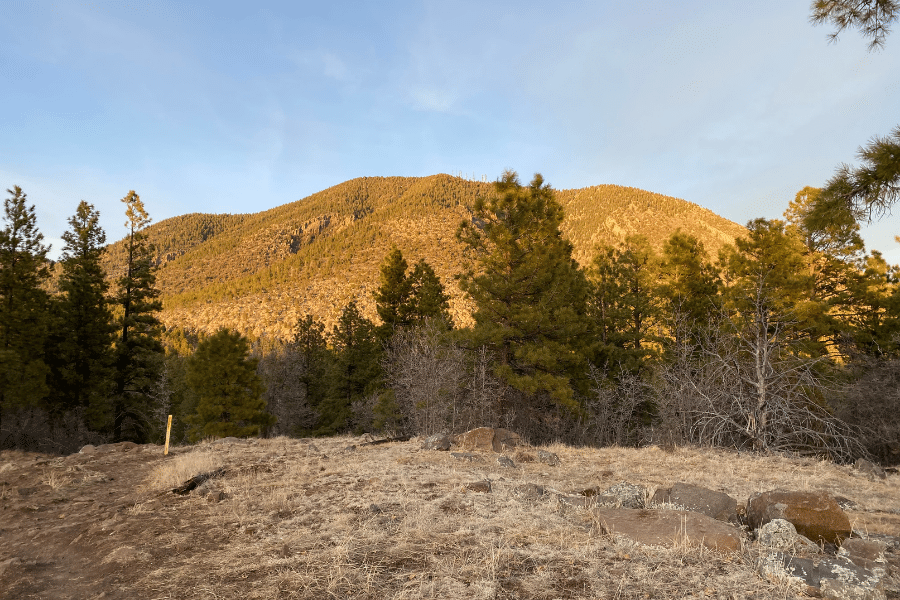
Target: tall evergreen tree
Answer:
[[528, 290], [393, 294], [223, 376], [23, 305], [768, 282], [428, 301], [833, 251], [81, 356], [689, 286], [356, 370], [625, 306], [310, 341], [138, 351]]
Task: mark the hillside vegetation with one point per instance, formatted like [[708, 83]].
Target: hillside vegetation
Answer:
[[259, 272]]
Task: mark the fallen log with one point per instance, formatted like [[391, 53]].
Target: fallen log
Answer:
[[196, 480]]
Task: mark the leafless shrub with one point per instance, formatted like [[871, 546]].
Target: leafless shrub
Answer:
[[281, 369], [33, 430], [746, 388], [612, 410], [426, 372]]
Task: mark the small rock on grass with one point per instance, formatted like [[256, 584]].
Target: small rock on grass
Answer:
[[548, 458], [469, 456], [505, 461], [482, 487]]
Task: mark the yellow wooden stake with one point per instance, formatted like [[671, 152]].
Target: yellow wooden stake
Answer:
[[168, 431]]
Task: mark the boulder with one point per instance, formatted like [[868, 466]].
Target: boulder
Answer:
[[487, 439], [482, 487], [868, 554], [669, 528], [816, 515], [711, 503], [834, 578], [623, 495], [547, 457], [870, 469], [438, 441], [505, 461], [529, 491], [779, 534]]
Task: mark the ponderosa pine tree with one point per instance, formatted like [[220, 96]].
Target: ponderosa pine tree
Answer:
[[871, 189], [309, 340], [82, 338], [688, 287], [528, 290], [428, 300], [624, 305], [138, 351], [834, 252], [393, 294], [23, 305], [356, 369], [229, 391]]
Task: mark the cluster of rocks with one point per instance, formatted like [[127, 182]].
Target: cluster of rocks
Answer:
[[801, 536]]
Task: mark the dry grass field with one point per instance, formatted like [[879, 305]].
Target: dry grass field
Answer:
[[319, 519]]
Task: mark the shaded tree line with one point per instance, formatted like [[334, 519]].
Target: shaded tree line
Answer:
[[86, 362]]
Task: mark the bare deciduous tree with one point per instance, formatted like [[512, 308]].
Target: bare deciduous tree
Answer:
[[743, 387], [427, 374]]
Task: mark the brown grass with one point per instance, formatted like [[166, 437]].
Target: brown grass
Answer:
[[391, 521]]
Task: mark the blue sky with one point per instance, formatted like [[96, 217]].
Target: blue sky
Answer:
[[234, 107]]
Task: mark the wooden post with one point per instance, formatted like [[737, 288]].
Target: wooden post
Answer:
[[168, 431]]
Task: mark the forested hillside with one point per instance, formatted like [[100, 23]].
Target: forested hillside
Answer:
[[259, 272]]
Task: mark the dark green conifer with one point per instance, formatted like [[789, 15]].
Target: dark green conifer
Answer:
[[393, 294], [528, 291], [81, 356], [427, 300], [356, 370], [309, 340], [229, 392], [138, 351], [23, 305], [625, 306], [689, 286]]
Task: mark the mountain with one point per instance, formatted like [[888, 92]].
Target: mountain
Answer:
[[260, 272]]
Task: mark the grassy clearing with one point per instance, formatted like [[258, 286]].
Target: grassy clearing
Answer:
[[310, 519]]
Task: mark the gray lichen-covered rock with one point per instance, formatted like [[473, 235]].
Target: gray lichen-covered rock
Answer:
[[548, 458], [868, 554], [438, 441], [779, 534], [624, 495], [835, 578]]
